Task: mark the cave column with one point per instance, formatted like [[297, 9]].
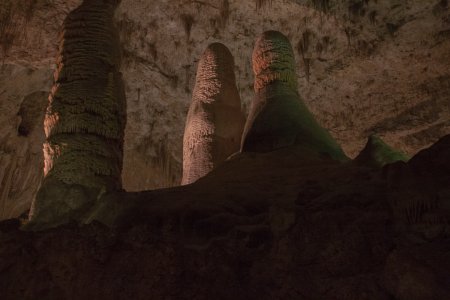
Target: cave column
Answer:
[[85, 118]]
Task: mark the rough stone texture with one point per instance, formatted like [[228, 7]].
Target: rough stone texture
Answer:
[[215, 121], [364, 67], [261, 226], [85, 119], [377, 153]]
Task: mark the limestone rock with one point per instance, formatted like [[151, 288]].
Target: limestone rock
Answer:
[[215, 121], [85, 119], [278, 117]]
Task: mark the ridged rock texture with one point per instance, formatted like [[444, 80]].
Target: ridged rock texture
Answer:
[[278, 117], [85, 118], [215, 120], [377, 153]]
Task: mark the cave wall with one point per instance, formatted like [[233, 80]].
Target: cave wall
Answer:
[[365, 67], [28, 37]]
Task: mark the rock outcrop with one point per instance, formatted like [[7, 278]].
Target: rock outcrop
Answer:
[[215, 120], [278, 117], [377, 153], [85, 118]]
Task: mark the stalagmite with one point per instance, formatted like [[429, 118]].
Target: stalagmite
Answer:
[[278, 117], [215, 122], [377, 153], [85, 118]]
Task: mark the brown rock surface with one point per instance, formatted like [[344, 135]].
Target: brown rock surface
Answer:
[[27, 57]]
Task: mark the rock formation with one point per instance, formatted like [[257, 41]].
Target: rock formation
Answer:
[[280, 227], [85, 118], [278, 117], [377, 153], [383, 70], [215, 121]]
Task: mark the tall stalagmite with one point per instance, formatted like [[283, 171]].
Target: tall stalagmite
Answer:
[[278, 117], [215, 121], [85, 118]]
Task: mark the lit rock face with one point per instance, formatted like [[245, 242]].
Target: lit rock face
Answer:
[[85, 119], [278, 118], [215, 121]]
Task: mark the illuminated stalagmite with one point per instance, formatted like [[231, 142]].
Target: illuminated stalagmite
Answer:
[[278, 117], [215, 122], [85, 118]]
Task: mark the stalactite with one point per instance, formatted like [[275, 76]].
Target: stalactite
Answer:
[[278, 117], [85, 119], [215, 122]]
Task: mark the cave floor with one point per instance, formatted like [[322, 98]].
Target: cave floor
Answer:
[[288, 224]]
